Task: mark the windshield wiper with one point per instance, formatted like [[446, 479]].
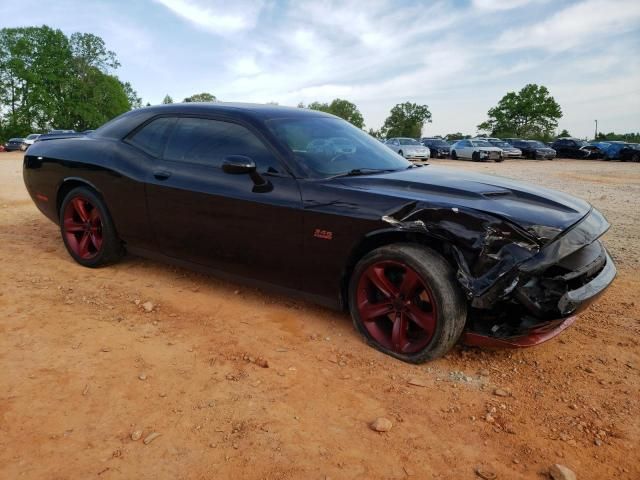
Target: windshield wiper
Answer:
[[362, 171]]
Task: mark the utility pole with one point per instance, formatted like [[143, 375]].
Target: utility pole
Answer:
[[595, 137]]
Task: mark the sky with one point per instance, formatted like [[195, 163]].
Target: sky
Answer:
[[458, 57]]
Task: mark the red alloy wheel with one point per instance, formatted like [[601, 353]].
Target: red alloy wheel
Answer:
[[396, 307], [82, 227]]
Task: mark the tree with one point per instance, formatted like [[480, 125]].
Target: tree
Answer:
[[623, 137], [50, 80], [530, 113], [167, 99], [406, 120], [456, 136], [341, 108], [375, 133], [200, 97]]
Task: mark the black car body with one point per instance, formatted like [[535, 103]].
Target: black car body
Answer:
[[630, 153], [439, 148], [524, 259], [533, 149], [567, 147], [14, 144], [58, 134]]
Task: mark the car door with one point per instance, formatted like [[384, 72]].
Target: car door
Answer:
[[247, 224], [465, 151]]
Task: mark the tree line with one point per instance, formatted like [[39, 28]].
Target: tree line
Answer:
[[49, 80]]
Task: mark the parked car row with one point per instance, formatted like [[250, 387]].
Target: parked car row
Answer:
[[20, 143], [495, 149]]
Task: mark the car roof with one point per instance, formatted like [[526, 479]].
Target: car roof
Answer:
[[122, 125]]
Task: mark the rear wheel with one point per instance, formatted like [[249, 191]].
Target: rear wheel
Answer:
[[405, 302], [635, 158], [454, 155], [87, 229]]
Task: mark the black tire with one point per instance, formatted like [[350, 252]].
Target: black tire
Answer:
[[475, 156], [111, 249], [454, 155], [635, 158], [439, 277], [500, 159]]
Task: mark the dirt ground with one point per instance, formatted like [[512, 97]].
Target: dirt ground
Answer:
[[83, 366]]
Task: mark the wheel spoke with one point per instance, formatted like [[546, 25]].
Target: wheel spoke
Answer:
[[372, 311], [399, 333], [377, 276], [72, 226], [96, 240], [80, 208], [94, 216], [409, 283], [425, 320], [83, 246]]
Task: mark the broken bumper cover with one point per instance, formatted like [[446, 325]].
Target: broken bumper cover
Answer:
[[549, 289]]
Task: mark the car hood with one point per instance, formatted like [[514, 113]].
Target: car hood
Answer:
[[528, 206]]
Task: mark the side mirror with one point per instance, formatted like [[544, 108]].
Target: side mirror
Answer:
[[238, 164]]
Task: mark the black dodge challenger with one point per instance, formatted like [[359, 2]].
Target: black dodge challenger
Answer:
[[421, 256]]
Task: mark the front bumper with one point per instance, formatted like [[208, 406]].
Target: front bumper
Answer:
[[539, 298]]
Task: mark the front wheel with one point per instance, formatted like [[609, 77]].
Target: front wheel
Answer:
[[405, 302], [454, 155], [87, 229]]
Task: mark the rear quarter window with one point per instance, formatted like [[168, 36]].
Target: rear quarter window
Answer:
[[153, 136]]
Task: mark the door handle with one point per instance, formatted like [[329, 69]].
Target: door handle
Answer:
[[161, 174]]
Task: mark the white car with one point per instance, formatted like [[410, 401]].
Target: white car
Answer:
[[476, 150], [28, 141], [508, 151], [408, 148]]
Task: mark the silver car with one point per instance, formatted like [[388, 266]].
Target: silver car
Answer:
[[408, 148]]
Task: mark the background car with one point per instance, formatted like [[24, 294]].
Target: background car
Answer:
[[611, 151], [14, 144], [534, 149], [508, 151], [438, 147], [630, 153], [28, 140], [571, 148], [476, 150], [408, 148]]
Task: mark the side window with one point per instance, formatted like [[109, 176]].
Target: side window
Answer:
[[209, 142], [152, 137]]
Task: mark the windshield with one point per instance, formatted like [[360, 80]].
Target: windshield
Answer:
[[535, 143], [481, 143], [581, 143], [330, 146], [409, 141], [498, 143], [32, 136]]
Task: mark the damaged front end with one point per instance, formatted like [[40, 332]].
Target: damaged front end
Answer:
[[524, 285]]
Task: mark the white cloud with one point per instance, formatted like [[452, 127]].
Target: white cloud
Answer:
[[500, 4], [217, 16], [591, 20]]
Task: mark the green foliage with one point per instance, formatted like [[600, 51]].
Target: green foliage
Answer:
[[200, 97], [340, 108], [375, 133], [167, 99], [49, 80], [406, 120], [530, 113], [456, 136], [564, 133], [623, 137]]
